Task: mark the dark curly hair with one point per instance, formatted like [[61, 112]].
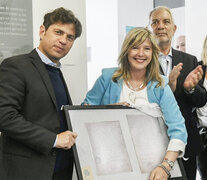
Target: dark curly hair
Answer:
[[63, 16]]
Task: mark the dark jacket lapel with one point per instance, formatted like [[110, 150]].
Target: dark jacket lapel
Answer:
[[161, 70], [35, 59], [175, 57]]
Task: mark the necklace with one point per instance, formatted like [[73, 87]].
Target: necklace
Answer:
[[135, 89], [133, 94]]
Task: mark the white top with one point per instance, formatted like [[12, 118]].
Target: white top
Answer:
[[133, 97], [202, 112], [139, 100]]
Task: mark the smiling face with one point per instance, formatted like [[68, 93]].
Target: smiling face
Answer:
[[140, 56], [162, 26], [57, 40]]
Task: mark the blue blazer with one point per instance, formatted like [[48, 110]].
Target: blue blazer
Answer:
[[105, 91]]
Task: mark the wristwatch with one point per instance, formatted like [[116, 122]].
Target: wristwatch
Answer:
[[190, 91], [170, 163]]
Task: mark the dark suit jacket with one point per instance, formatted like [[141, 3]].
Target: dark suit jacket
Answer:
[[204, 69], [186, 101], [29, 119]]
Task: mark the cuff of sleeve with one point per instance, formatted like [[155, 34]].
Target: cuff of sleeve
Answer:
[[177, 145], [55, 142]]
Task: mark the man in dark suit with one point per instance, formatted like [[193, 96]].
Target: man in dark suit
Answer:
[[184, 79], [35, 141]]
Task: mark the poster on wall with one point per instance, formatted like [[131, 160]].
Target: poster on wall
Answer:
[[129, 28], [16, 30]]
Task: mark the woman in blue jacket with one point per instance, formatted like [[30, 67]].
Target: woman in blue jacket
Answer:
[[137, 81]]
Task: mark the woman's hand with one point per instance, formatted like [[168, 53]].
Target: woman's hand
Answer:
[[158, 174], [121, 103]]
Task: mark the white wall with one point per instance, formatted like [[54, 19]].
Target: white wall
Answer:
[[102, 36], [196, 26], [106, 21], [132, 13], [179, 20], [74, 64]]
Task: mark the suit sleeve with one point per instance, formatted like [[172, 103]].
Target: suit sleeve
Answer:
[[12, 121], [199, 97]]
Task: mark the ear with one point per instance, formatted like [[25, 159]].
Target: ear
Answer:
[[42, 31], [174, 28]]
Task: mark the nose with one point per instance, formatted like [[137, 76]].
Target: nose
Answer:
[[140, 52], [160, 25], [63, 39]]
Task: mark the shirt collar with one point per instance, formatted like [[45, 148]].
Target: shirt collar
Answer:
[[169, 54], [47, 61]]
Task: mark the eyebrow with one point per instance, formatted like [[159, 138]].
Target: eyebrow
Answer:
[[58, 29], [156, 19]]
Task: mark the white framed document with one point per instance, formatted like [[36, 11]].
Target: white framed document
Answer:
[[118, 143]]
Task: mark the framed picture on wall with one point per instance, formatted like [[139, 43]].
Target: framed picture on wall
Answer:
[[118, 143]]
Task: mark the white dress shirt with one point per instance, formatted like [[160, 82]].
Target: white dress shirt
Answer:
[[166, 62]]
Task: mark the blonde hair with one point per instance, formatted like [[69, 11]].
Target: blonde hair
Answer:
[[161, 8], [204, 52], [134, 38]]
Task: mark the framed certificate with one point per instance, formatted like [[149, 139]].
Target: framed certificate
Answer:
[[118, 143]]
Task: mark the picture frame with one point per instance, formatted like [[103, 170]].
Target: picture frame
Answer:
[[118, 143]]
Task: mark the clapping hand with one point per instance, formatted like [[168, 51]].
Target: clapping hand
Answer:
[[193, 78], [174, 75]]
